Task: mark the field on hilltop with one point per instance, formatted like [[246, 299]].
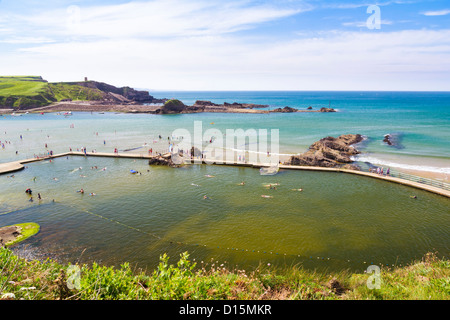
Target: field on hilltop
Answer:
[[27, 92]]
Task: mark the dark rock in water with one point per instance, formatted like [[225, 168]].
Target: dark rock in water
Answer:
[[172, 106], [330, 152], [393, 140], [284, 110], [387, 139], [309, 108], [204, 103], [234, 105], [323, 109]]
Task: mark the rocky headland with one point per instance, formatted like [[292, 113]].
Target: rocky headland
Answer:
[[330, 152], [94, 96]]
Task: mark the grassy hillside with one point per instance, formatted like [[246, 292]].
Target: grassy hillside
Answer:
[[63, 91], [21, 86], [428, 279], [24, 92]]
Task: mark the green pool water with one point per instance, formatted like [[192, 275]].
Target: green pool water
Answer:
[[339, 221]]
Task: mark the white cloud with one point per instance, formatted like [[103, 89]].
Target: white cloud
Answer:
[[193, 45], [158, 18], [363, 24], [437, 13], [27, 40], [336, 61]]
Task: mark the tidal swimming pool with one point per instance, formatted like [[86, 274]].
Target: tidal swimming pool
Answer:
[[337, 221]]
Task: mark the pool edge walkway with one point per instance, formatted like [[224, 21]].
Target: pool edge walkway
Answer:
[[14, 166]]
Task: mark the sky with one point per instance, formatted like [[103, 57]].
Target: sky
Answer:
[[207, 45]]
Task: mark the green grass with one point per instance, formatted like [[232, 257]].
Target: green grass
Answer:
[[21, 86], [24, 92], [74, 92], [425, 279]]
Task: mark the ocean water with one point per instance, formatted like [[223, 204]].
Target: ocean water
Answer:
[[338, 221], [419, 120]]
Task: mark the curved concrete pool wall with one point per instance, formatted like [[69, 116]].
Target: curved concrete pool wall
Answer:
[[19, 165]]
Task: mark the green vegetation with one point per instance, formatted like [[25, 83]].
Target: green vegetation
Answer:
[[28, 229], [35, 280], [24, 92], [63, 91], [21, 86]]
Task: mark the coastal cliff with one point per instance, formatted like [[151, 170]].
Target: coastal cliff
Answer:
[[329, 152], [34, 94], [29, 92]]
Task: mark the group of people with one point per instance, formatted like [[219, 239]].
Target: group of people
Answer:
[[30, 192], [380, 171]]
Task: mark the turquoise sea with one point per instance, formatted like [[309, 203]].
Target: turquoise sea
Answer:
[[338, 220]]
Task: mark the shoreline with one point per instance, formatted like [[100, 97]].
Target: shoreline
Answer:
[[151, 109], [86, 106]]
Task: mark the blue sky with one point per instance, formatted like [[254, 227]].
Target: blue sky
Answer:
[[231, 45]]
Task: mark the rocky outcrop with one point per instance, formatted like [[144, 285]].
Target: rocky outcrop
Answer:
[[234, 105], [393, 140], [330, 152], [201, 103], [8, 234], [284, 110], [172, 106], [123, 94], [387, 140], [163, 160], [323, 109]]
